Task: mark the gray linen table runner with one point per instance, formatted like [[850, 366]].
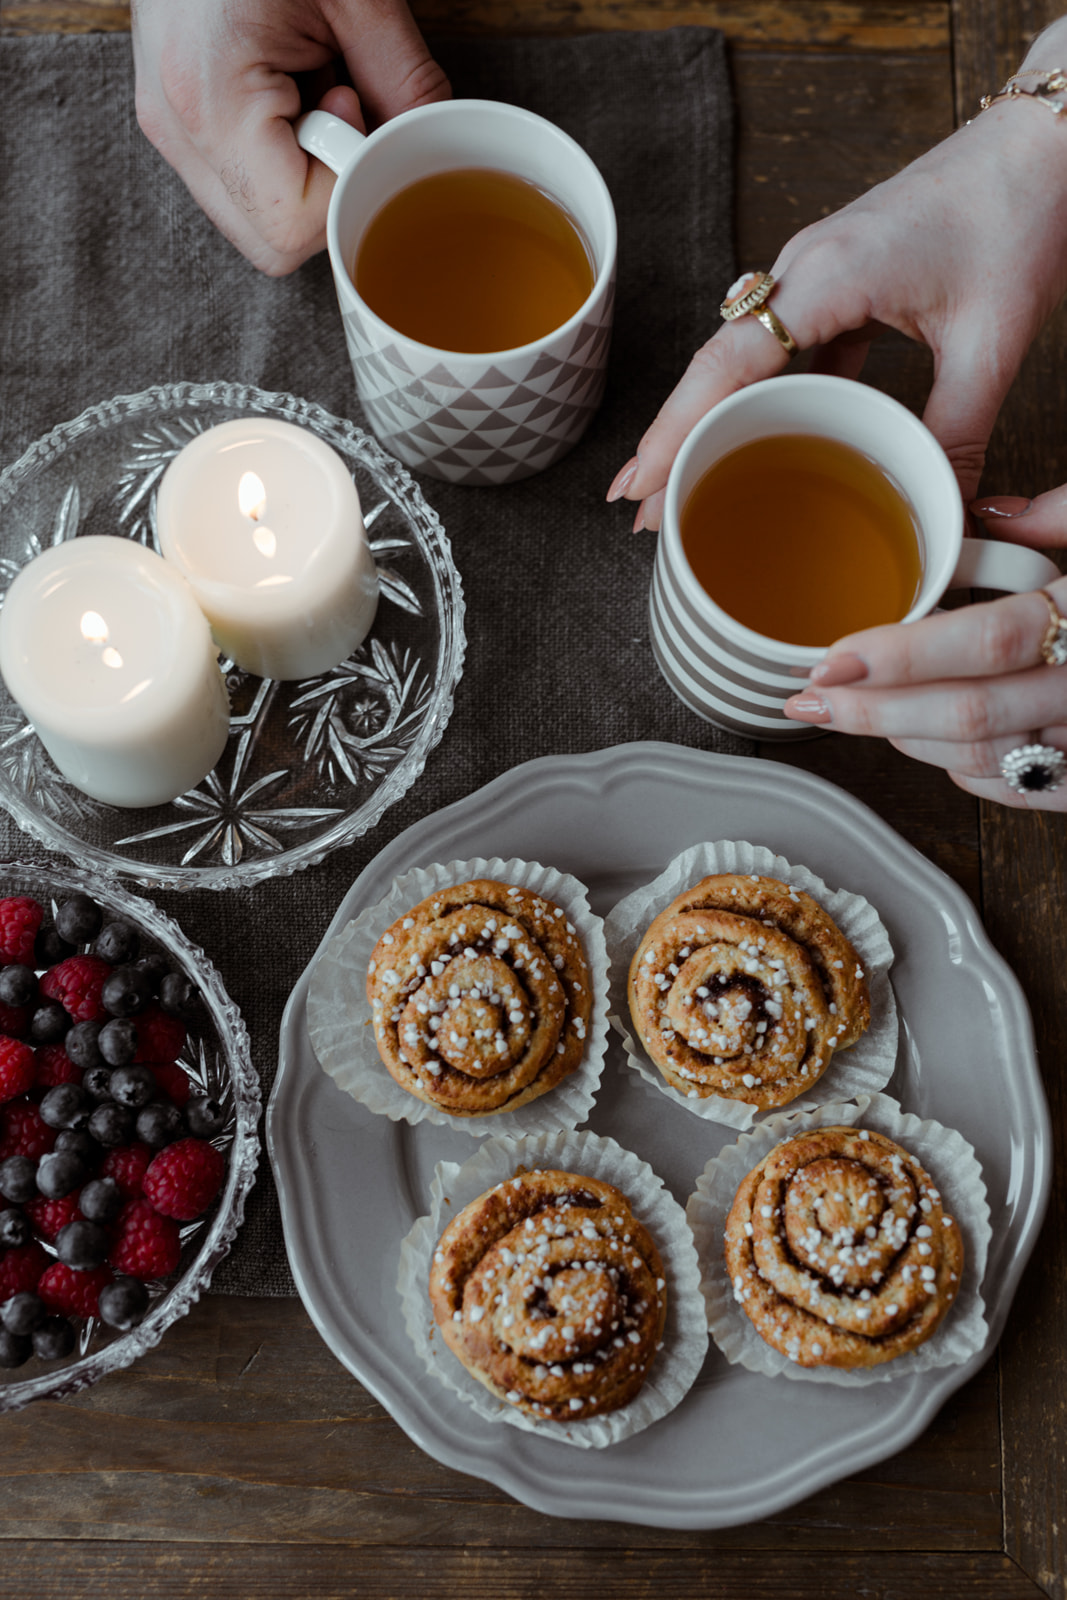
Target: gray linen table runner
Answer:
[[112, 281]]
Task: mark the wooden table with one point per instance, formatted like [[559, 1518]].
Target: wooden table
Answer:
[[240, 1457]]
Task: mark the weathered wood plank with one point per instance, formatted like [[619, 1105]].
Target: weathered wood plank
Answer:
[[802, 24], [56, 1571], [242, 1426]]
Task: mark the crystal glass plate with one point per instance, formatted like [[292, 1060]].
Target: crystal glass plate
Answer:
[[309, 765], [217, 1060]]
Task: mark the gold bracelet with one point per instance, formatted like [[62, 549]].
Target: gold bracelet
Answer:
[[1050, 90]]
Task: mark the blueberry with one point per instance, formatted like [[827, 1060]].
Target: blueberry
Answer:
[[49, 947], [133, 1086], [59, 1173], [126, 992], [118, 1042], [14, 1349], [82, 1046], [204, 1117], [123, 1303], [155, 966], [82, 1244], [177, 994], [49, 1023], [23, 1312], [65, 1106], [15, 1228], [159, 1123], [117, 942], [18, 985], [78, 919], [81, 1142], [54, 1339], [112, 1125], [97, 1083], [18, 1179], [100, 1200]]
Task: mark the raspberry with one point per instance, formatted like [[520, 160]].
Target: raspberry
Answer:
[[20, 918], [148, 1245], [70, 1293], [48, 1216], [24, 1131], [77, 983], [53, 1066], [184, 1178], [21, 1269], [127, 1166], [172, 1081], [14, 1020], [17, 1067], [159, 1037]]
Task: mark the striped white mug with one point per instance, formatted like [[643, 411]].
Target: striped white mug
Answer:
[[736, 677]]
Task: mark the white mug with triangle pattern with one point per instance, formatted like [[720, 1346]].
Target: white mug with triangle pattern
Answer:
[[485, 418]]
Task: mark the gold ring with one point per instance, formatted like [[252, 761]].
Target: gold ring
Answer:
[[1054, 644], [748, 297]]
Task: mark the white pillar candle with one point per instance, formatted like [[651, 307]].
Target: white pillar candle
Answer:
[[263, 519], [103, 646]]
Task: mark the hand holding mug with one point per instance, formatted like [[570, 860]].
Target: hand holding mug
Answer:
[[217, 95], [964, 689], [964, 251]]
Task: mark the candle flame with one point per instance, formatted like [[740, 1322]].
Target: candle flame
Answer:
[[93, 627], [251, 496], [265, 542]]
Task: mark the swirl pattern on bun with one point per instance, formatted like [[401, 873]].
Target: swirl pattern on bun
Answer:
[[744, 987], [839, 1251], [552, 1294], [480, 998]]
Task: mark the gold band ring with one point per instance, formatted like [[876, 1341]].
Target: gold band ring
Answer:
[[748, 297], [1054, 644]]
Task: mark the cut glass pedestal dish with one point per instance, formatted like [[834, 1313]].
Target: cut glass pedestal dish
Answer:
[[309, 765]]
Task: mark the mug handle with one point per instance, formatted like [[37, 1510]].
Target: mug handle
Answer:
[[992, 564], [334, 142]]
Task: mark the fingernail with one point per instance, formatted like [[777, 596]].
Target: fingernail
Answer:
[[639, 520], [835, 670], [1001, 505], [623, 480], [808, 708]]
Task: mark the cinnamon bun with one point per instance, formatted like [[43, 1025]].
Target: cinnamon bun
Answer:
[[480, 998], [744, 987], [552, 1294], [839, 1251]]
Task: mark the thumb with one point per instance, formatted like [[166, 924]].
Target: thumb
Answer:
[[1040, 523], [388, 59], [962, 407]]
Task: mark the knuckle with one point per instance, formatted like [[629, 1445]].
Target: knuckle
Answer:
[[972, 718], [1001, 640], [425, 83]]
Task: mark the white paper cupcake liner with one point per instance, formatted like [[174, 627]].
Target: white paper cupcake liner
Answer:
[[685, 1338], [863, 1069], [955, 1169], [339, 1013]]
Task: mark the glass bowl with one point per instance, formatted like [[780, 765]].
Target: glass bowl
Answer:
[[309, 765], [216, 1058]]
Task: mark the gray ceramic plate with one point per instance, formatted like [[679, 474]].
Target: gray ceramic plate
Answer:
[[740, 1446]]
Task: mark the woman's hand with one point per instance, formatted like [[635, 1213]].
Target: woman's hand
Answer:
[[217, 96], [965, 250], [962, 688]]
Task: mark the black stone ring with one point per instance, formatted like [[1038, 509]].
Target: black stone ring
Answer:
[[1034, 768]]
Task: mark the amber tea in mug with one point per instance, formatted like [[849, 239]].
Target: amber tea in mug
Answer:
[[473, 260], [802, 538]]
